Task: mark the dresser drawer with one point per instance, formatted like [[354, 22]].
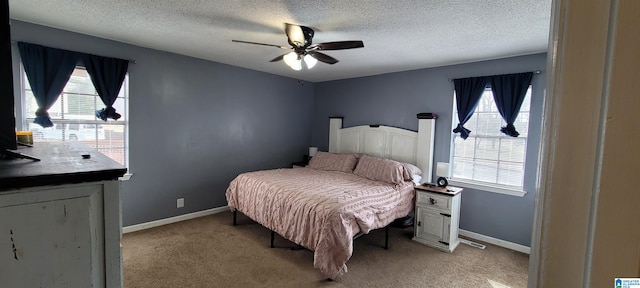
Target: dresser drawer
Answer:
[[433, 199]]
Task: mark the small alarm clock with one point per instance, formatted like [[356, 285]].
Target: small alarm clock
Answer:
[[442, 182]]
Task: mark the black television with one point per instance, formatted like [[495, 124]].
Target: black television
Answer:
[[8, 140], [7, 112]]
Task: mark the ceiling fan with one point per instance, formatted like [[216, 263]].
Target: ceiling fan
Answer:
[[300, 39]]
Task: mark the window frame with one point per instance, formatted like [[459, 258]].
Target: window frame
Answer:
[[26, 118], [483, 185]]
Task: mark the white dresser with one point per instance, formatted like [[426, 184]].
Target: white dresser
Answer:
[[60, 217]]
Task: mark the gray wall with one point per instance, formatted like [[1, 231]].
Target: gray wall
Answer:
[[194, 124], [394, 99]]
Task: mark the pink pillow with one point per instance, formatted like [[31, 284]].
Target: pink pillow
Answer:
[[334, 161], [380, 169], [412, 169]]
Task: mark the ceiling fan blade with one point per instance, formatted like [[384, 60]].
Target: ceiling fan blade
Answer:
[[278, 58], [263, 44], [339, 45], [323, 57]]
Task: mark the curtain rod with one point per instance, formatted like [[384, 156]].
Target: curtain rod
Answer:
[[130, 61], [534, 72]]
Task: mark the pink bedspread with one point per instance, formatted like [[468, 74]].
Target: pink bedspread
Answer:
[[320, 210]]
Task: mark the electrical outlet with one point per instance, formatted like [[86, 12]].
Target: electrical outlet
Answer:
[[180, 202]]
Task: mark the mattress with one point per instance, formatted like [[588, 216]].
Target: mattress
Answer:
[[320, 210]]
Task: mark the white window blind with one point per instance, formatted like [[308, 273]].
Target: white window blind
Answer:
[[487, 156]]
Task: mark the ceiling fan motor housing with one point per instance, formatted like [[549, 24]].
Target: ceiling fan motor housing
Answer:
[[307, 33]]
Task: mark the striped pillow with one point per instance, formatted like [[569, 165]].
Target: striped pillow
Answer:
[[334, 161], [380, 169]]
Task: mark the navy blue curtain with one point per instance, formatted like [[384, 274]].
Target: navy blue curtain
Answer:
[[509, 92], [48, 70], [107, 75], [468, 93]]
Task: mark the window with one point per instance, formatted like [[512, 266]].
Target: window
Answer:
[[73, 115], [489, 158]]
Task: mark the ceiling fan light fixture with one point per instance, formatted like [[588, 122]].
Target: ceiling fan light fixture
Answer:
[[310, 61], [302, 48], [292, 59], [297, 66]]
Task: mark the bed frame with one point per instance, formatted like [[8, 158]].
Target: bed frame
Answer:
[[382, 141]]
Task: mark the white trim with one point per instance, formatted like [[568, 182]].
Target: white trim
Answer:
[[488, 188], [495, 241], [547, 140], [165, 221]]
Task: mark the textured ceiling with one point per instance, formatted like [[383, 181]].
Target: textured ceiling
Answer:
[[398, 35]]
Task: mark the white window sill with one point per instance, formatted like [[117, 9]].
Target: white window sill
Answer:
[[126, 177], [488, 188]]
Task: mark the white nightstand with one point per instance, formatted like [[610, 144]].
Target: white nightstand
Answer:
[[437, 216]]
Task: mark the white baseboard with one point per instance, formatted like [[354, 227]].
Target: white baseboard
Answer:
[[175, 219], [495, 241]]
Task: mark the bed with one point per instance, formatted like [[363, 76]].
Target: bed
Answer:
[[364, 182]]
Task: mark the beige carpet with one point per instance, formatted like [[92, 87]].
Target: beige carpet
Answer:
[[210, 252]]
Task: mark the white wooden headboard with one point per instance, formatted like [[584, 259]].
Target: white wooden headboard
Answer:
[[387, 142]]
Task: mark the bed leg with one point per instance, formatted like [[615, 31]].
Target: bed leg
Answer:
[[272, 238], [386, 238], [235, 214]]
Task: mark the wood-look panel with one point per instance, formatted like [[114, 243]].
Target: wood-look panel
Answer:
[[374, 143], [401, 146], [57, 237], [616, 245], [571, 133], [349, 142], [388, 142]]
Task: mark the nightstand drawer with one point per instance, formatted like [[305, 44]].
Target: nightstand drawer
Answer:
[[432, 199]]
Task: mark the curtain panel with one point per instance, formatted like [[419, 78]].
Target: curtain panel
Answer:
[[48, 70], [468, 93], [509, 92], [107, 75]]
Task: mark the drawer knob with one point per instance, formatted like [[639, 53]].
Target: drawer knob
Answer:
[[432, 201], [419, 223]]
